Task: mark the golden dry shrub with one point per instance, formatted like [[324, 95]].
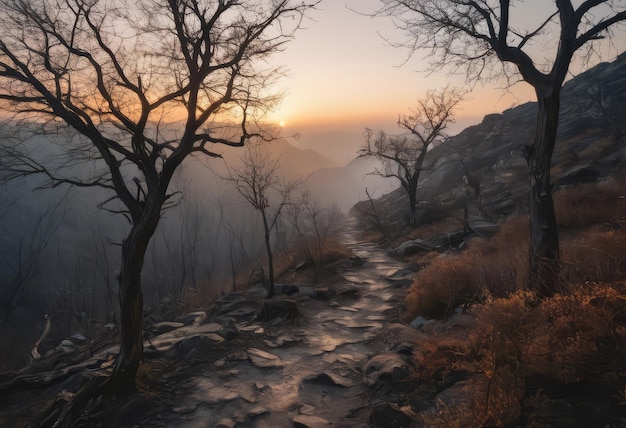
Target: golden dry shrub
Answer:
[[596, 255], [589, 204], [562, 338], [488, 267]]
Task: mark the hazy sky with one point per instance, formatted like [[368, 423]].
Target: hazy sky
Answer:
[[344, 77]]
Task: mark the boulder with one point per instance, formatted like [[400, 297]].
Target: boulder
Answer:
[[386, 368]]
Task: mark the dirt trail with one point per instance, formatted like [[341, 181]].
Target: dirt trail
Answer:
[[308, 373], [224, 368]]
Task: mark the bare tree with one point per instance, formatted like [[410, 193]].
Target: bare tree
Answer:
[[115, 72], [483, 38], [403, 156], [257, 180]]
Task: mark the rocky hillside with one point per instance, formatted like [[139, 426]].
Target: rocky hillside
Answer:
[[483, 165]]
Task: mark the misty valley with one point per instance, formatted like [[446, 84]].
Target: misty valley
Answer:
[[173, 255]]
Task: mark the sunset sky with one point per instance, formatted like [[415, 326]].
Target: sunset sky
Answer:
[[344, 77]]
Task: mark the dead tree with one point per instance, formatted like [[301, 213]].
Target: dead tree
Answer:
[[257, 180], [403, 156], [115, 73]]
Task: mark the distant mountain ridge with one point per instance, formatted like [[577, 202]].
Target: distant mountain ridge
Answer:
[[590, 146]]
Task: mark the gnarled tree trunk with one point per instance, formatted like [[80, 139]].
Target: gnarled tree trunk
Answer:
[[544, 253], [131, 297]]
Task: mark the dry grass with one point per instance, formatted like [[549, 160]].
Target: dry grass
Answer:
[[485, 268], [562, 340], [591, 204], [522, 352]]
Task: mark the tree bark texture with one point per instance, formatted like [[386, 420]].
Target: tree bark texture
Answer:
[[544, 253], [131, 298]]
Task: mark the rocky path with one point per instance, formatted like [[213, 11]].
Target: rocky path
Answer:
[[317, 370], [329, 365]]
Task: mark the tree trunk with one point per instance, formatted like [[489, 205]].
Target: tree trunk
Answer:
[[544, 237], [270, 260], [131, 300], [412, 203]]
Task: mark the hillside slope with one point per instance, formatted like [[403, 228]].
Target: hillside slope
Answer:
[[590, 146]]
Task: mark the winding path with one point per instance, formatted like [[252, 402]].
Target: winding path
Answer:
[[304, 373]]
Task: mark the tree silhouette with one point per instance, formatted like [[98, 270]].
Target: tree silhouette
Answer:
[[257, 181], [116, 72], [486, 38], [402, 156]]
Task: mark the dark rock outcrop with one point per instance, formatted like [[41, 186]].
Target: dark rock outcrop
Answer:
[[490, 155]]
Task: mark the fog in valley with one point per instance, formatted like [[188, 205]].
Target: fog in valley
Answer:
[[61, 246]]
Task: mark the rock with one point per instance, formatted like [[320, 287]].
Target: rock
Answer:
[[257, 411], [275, 308], [306, 409], [279, 341], [261, 387], [264, 359], [418, 322], [79, 339], [388, 415], [307, 421], [219, 394], [194, 318], [226, 423], [165, 327], [388, 367], [413, 246], [328, 378]]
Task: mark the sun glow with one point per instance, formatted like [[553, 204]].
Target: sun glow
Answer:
[[282, 123]]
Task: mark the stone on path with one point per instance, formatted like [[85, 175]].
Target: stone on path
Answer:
[[219, 394], [307, 421], [257, 411], [264, 359], [328, 378], [387, 367]]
